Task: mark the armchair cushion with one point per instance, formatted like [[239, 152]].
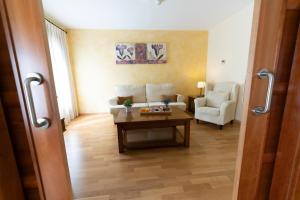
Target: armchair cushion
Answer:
[[227, 107], [215, 99], [200, 102], [209, 111]]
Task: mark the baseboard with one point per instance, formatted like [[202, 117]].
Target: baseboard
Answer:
[[98, 113]]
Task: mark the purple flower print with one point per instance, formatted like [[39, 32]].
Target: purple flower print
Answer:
[[121, 48], [130, 51], [156, 48]]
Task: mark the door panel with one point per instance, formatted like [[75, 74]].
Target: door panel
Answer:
[[10, 183], [15, 124], [273, 43], [29, 49], [293, 4], [287, 166]]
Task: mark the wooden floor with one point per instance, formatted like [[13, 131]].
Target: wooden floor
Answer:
[[99, 172]]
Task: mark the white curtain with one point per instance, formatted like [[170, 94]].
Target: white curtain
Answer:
[[62, 72]]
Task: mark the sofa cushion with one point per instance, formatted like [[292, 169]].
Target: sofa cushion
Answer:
[[135, 105], [154, 91], [180, 105], [156, 104], [215, 99], [115, 109], [208, 111], [137, 91], [139, 105]]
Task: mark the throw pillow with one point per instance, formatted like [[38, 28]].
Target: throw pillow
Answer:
[[121, 100], [172, 98], [215, 99]]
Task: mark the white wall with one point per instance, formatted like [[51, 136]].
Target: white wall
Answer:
[[230, 41]]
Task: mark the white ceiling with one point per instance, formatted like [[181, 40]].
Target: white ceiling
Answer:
[[141, 14]]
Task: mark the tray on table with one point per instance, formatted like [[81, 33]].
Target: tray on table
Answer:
[[155, 111]]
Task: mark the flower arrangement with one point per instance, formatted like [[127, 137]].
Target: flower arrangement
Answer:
[[166, 102], [128, 104]]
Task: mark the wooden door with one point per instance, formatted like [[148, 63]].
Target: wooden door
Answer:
[[274, 35], [27, 44], [287, 165], [10, 183], [12, 112]]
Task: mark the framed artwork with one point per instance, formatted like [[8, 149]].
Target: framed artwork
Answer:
[[125, 53], [141, 53], [156, 53]]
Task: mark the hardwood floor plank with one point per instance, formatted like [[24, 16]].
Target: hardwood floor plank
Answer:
[[99, 172]]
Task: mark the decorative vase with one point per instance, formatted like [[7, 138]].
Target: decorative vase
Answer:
[[167, 105], [166, 102], [128, 109]]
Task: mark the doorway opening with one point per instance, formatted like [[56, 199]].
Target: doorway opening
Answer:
[[210, 56], [158, 101]]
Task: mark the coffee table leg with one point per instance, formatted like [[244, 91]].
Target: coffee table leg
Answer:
[[125, 137], [120, 139], [174, 133], [187, 134]]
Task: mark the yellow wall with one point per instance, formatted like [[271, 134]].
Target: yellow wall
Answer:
[[92, 55]]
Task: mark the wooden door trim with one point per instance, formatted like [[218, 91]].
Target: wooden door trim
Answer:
[[287, 165]]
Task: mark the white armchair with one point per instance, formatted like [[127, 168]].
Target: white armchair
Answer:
[[219, 104]]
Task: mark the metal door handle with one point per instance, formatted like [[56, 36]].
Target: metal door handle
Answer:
[[36, 79], [261, 75]]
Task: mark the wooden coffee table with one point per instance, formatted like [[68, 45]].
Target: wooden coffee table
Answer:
[[134, 120]]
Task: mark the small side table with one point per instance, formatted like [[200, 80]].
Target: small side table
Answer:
[[191, 104]]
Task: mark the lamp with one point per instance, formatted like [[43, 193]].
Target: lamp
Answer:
[[201, 85]]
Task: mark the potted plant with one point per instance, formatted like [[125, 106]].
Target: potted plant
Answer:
[[166, 102], [128, 105]]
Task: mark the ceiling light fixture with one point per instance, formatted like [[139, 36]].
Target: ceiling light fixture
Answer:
[[158, 2]]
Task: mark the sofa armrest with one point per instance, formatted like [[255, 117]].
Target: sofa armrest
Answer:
[[180, 98], [200, 102], [228, 108], [113, 101]]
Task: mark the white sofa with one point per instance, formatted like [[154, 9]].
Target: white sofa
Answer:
[[219, 104], [145, 96]]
